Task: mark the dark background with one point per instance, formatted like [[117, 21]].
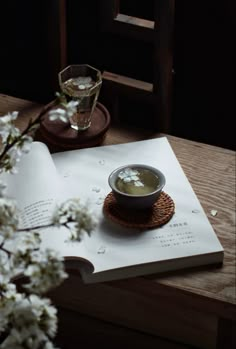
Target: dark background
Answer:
[[204, 57]]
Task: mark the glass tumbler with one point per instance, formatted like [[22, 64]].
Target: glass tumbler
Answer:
[[82, 83]]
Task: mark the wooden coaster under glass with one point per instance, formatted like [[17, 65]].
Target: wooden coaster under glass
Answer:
[[60, 136]]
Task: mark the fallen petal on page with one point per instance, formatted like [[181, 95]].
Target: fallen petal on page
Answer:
[[96, 189], [100, 201], [101, 250]]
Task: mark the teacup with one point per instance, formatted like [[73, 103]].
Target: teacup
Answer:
[[136, 186]]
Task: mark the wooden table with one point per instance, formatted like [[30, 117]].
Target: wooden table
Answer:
[[193, 307]]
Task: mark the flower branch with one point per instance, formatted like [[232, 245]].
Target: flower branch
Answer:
[[13, 139], [27, 320]]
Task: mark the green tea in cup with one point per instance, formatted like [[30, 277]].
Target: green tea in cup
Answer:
[[135, 181]]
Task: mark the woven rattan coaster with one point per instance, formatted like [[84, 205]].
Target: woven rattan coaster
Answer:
[[159, 214]]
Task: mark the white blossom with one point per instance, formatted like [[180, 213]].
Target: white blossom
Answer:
[[73, 211], [26, 241], [9, 217], [22, 246], [65, 113], [58, 114], [130, 175], [4, 266], [8, 298], [8, 131], [46, 271], [4, 279], [34, 321], [27, 320], [83, 82], [71, 107], [24, 144], [49, 345], [12, 157], [9, 117]]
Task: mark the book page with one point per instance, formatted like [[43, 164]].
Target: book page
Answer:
[[44, 180], [112, 246], [35, 186], [38, 188]]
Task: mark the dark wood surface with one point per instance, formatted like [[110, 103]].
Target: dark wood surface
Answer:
[[196, 307], [90, 333]]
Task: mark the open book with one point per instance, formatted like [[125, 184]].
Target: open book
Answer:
[[113, 251]]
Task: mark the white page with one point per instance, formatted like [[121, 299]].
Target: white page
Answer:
[[84, 173], [35, 185], [188, 233], [37, 188]]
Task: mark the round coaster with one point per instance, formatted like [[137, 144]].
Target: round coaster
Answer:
[[159, 214], [60, 136]]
